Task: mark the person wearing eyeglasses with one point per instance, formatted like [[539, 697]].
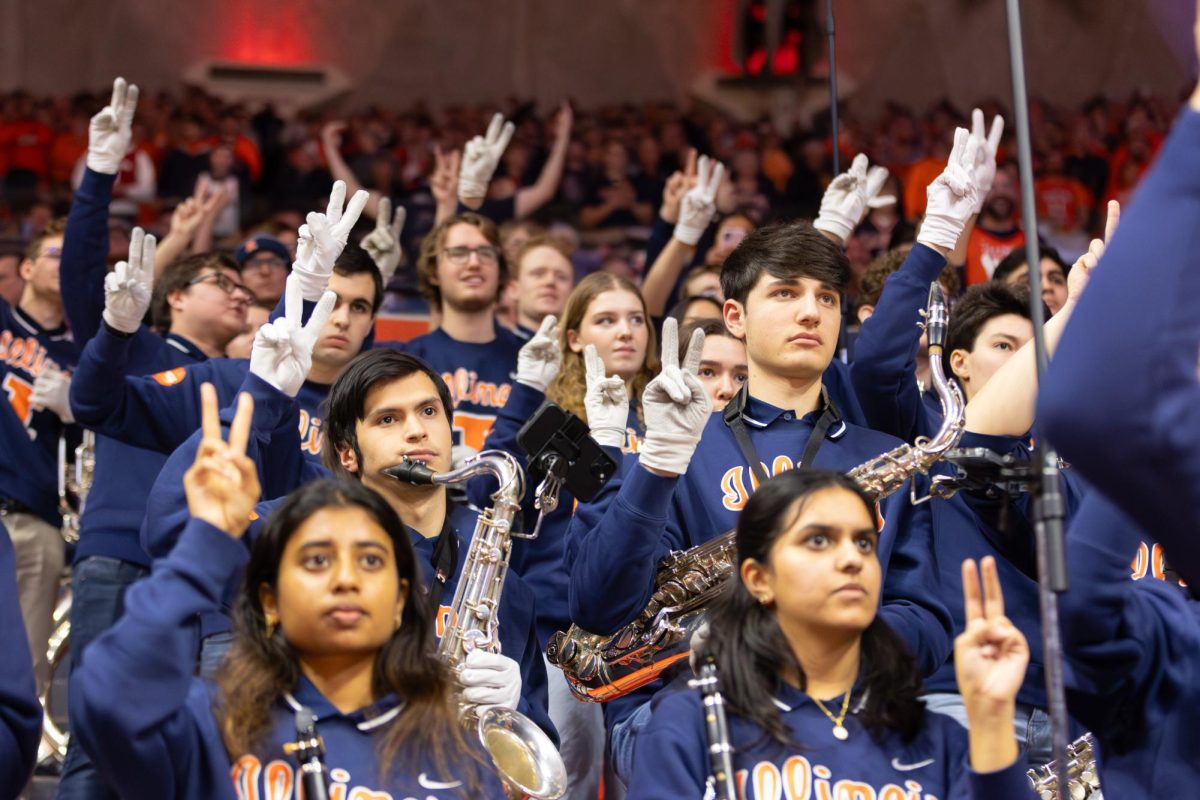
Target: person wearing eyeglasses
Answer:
[[461, 272], [34, 339], [265, 263]]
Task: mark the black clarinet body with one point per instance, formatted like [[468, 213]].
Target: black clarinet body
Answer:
[[309, 750], [720, 751]]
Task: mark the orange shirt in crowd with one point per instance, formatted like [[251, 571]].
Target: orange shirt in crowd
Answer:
[[986, 249], [65, 153], [27, 146], [920, 175], [1065, 201]]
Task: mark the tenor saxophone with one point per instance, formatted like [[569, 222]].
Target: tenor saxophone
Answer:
[[74, 482], [1083, 779], [524, 756], [599, 667]]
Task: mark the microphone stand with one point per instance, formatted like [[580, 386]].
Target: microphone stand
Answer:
[[843, 336], [1048, 507]]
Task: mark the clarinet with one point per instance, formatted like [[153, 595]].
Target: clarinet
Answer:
[[309, 750], [720, 751]]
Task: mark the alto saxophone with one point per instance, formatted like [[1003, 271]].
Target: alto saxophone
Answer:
[[599, 668], [1082, 777], [524, 756], [74, 482]]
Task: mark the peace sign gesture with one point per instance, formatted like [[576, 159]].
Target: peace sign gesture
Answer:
[[323, 237], [1081, 271], [128, 288], [222, 483], [111, 129], [700, 202], [383, 243], [480, 158], [991, 654], [282, 351], [675, 405], [606, 401]]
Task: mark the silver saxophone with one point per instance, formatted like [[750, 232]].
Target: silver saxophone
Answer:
[[1083, 779], [74, 482], [601, 667], [525, 757]]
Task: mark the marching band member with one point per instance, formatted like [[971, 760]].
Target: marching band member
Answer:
[[329, 618], [20, 712], [822, 695]]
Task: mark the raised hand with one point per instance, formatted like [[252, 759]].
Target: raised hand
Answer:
[[443, 183], [564, 119], [128, 288], [383, 243], [606, 401], [1081, 270], [52, 391], [676, 187], [952, 196], [983, 170], [540, 359], [111, 129], [846, 200], [699, 204], [480, 157], [222, 483], [282, 350], [331, 136], [675, 406], [323, 237], [991, 654]]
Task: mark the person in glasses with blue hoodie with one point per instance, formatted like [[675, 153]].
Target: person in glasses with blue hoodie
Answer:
[[330, 617], [822, 695]]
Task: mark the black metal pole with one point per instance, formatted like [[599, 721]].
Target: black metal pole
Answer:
[[1048, 501], [833, 95]]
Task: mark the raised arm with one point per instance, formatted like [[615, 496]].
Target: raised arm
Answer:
[[480, 158], [331, 145], [530, 198]]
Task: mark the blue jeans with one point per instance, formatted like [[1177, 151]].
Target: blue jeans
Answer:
[[1032, 724], [98, 585], [623, 739]]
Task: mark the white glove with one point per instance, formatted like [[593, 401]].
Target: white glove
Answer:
[[951, 197], [128, 288], [697, 644], [480, 157], [675, 405], [52, 391], [490, 679], [540, 359], [282, 350], [848, 196], [111, 129], [323, 238], [383, 243], [983, 171], [699, 204], [606, 401]]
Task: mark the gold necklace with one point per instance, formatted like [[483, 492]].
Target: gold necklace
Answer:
[[839, 731]]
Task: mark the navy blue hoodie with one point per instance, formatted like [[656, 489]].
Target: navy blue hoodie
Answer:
[[149, 725], [20, 711]]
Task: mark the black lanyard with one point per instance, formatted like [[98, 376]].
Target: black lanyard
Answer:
[[445, 559], [733, 418]]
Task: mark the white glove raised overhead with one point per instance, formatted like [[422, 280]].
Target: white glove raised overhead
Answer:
[[846, 200], [480, 158], [322, 239], [700, 203], [675, 405], [129, 287], [490, 679], [606, 401], [383, 243], [951, 197], [540, 359], [282, 350], [52, 391], [111, 130], [983, 170]]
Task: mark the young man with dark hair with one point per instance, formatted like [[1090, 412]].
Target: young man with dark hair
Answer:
[[1014, 269], [988, 325], [265, 263]]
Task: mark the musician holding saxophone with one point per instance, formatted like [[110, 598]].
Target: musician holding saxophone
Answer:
[[331, 617], [783, 290], [820, 689]]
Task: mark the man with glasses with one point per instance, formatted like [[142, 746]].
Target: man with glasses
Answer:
[[461, 271], [34, 339], [265, 263]]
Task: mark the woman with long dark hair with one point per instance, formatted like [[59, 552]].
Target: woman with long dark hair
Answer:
[[822, 695], [330, 617]]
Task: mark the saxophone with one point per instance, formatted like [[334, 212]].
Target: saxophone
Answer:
[[1083, 780], [522, 753], [74, 481], [599, 667]]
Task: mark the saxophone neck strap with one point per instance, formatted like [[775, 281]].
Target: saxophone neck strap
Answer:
[[445, 559], [733, 416]]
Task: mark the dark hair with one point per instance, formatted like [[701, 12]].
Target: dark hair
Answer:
[[712, 326], [750, 649], [432, 246], [355, 261], [786, 250], [680, 309], [1018, 258], [176, 277], [981, 303], [696, 272], [345, 405], [870, 286], [261, 665]]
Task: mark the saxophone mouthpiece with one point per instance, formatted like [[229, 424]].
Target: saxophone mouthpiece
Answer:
[[306, 724], [413, 472], [936, 316]]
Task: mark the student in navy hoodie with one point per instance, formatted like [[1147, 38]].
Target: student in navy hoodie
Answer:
[[329, 618], [822, 696], [782, 287], [20, 711]]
